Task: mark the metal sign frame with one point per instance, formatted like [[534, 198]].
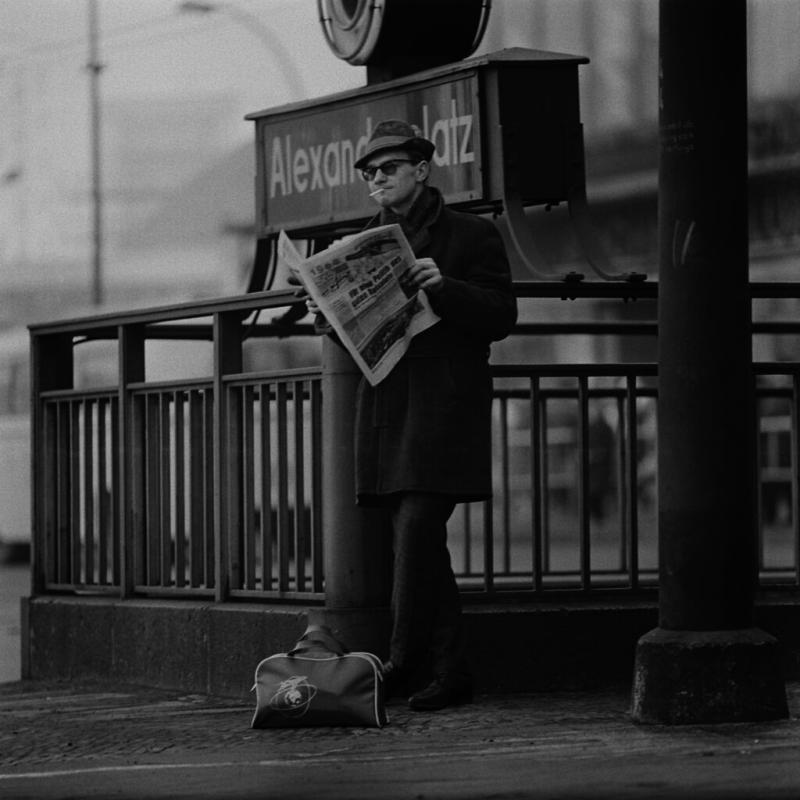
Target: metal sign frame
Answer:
[[506, 126]]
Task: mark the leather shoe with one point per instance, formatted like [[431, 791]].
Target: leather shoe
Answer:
[[442, 691]]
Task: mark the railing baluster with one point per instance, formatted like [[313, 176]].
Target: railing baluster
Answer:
[[165, 491], [621, 482], [248, 487], [152, 491], [488, 547], [88, 490], [179, 495], [115, 494], [210, 573], [759, 490], [299, 489], [537, 448], [316, 486], [104, 526], [584, 483], [233, 485], [64, 489], [75, 493], [198, 528], [544, 488], [47, 556], [283, 489], [632, 479], [266, 523], [795, 481], [135, 525], [505, 491]]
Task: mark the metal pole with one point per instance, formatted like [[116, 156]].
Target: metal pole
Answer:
[[706, 411], [356, 541], [95, 67], [706, 662]]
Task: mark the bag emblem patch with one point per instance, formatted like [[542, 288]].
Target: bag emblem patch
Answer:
[[293, 697]]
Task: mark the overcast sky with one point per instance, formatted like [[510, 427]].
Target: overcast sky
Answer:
[[259, 49], [171, 82]]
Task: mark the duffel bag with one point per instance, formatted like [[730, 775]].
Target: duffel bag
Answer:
[[319, 682]]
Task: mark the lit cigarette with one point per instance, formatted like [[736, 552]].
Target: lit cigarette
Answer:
[[377, 191]]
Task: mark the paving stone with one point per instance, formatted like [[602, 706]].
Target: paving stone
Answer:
[[48, 727]]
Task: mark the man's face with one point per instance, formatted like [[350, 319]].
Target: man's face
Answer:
[[399, 189]]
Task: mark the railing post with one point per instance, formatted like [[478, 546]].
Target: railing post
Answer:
[[227, 361], [356, 541], [706, 662], [130, 500], [51, 368]]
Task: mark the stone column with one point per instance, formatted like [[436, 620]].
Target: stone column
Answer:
[[706, 662], [356, 541]]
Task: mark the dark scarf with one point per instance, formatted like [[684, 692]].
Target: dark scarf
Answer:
[[416, 224]]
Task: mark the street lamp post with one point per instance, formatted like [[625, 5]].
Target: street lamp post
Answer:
[[94, 68]]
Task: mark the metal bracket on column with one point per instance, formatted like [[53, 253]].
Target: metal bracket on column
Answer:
[[582, 225], [524, 242], [264, 266], [589, 241], [581, 222], [263, 272]]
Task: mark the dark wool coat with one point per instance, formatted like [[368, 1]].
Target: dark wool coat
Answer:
[[427, 425]]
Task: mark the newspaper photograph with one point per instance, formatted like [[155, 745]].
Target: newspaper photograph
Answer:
[[362, 287]]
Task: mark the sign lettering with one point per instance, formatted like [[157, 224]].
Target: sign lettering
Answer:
[[307, 172]]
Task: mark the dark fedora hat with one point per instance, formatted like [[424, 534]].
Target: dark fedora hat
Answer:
[[394, 134]]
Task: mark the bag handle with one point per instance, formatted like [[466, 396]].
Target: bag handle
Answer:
[[316, 636]]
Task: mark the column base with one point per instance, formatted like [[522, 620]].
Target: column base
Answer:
[[691, 677], [365, 629]]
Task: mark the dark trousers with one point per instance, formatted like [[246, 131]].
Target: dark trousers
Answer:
[[427, 634]]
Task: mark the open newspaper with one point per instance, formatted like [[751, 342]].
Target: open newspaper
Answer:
[[362, 287]]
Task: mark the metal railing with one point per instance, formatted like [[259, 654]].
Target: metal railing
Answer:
[[570, 483], [211, 486], [189, 487]]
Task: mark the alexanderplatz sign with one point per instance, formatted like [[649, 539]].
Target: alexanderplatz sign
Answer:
[[506, 128]]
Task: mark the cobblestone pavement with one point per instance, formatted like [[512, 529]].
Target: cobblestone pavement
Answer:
[[97, 740]]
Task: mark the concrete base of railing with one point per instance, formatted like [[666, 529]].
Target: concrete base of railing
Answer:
[[200, 647], [214, 648]]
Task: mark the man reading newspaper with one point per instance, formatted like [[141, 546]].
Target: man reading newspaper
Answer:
[[363, 287], [423, 431]]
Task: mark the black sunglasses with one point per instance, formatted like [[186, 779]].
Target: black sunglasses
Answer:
[[388, 168]]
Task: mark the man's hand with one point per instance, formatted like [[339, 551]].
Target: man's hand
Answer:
[[301, 293], [312, 306], [426, 275]]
